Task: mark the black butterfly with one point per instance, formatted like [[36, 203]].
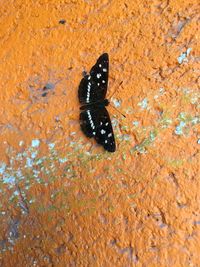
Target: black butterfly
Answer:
[[94, 118]]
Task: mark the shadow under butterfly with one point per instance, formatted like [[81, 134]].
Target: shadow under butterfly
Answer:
[[94, 118]]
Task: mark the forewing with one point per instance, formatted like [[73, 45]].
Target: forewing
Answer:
[[93, 87], [99, 73], [96, 123]]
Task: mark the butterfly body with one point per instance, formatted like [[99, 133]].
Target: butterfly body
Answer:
[[94, 118], [96, 105]]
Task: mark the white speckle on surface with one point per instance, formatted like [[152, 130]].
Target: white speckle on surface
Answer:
[[21, 143], [188, 51], [35, 143], [98, 75], [103, 81], [183, 57], [110, 134], [103, 131], [34, 154], [144, 104], [89, 77], [106, 141], [93, 133], [98, 84], [104, 70], [126, 137], [115, 122], [135, 123], [156, 96], [198, 141], [63, 160], [100, 65], [2, 167], [116, 102], [179, 128], [195, 120], [8, 179], [29, 163], [194, 100], [162, 90], [106, 124], [51, 145], [160, 93]]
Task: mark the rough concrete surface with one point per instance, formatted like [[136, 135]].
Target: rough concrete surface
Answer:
[[64, 200]]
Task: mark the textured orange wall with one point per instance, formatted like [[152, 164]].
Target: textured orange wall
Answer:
[[64, 200]]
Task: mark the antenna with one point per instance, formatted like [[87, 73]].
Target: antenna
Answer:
[[112, 105], [115, 90], [117, 110]]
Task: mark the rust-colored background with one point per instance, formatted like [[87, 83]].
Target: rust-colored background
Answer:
[[64, 200]]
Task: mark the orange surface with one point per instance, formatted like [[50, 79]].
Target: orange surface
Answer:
[[64, 200]]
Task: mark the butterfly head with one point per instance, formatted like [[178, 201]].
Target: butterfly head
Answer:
[[106, 102]]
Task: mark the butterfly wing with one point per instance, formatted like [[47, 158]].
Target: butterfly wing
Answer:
[[96, 123], [93, 87], [105, 135]]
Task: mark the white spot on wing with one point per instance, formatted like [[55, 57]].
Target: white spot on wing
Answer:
[[98, 75], [104, 70], [88, 93], [103, 131], [110, 134], [90, 119]]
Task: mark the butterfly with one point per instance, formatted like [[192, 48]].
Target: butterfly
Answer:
[[94, 118]]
